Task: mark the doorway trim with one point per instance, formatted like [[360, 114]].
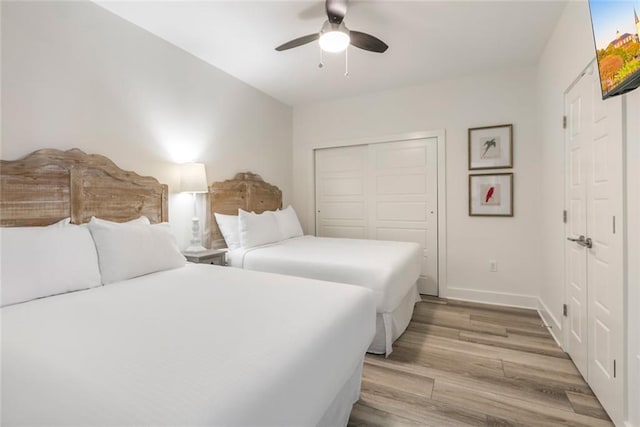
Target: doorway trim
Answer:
[[441, 196]]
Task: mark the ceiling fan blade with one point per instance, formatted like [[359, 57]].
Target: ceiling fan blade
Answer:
[[336, 10], [298, 42], [367, 42]]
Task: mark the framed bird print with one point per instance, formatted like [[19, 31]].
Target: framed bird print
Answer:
[[491, 147], [491, 194]]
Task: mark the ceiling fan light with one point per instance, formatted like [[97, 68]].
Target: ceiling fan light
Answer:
[[334, 41]]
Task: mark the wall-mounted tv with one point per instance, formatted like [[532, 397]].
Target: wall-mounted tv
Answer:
[[616, 31]]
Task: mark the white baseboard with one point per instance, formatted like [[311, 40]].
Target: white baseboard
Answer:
[[489, 297], [552, 323]]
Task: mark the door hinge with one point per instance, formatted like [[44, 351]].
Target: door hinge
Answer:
[[564, 122], [565, 310], [564, 216], [614, 368]]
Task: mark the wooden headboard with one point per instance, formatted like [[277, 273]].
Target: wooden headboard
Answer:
[[49, 185], [245, 191]]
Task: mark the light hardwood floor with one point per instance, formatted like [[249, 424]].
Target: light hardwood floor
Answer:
[[462, 364]]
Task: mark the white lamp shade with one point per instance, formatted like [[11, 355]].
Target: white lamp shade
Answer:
[[193, 178], [334, 41]]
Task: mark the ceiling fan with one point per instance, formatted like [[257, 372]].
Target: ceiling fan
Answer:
[[334, 36]]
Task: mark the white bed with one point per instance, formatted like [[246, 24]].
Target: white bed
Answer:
[[199, 345], [104, 324], [389, 269], [246, 214]]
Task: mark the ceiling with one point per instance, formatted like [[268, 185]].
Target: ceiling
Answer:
[[428, 40]]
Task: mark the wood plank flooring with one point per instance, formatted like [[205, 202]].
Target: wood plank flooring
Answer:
[[467, 364]]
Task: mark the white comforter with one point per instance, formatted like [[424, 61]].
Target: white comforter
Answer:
[[389, 269], [200, 345]]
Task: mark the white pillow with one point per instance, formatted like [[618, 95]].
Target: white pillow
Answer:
[[41, 261], [228, 225], [288, 223], [142, 220], [62, 223], [257, 229], [132, 249]]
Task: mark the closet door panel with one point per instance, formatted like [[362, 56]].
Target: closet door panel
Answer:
[[341, 201], [403, 193]]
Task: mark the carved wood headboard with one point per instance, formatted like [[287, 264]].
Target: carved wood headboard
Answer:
[[245, 191], [49, 185]]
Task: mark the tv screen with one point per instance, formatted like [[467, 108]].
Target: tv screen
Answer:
[[616, 31]]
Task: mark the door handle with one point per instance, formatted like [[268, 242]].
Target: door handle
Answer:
[[585, 243]]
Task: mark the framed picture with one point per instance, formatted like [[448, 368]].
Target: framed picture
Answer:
[[491, 194], [491, 147]]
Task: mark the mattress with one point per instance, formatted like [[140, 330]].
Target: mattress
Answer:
[[199, 345], [389, 269]]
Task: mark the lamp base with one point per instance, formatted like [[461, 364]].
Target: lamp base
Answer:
[[195, 246]]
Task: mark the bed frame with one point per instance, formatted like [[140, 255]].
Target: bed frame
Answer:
[[49, 185], [246, 191]]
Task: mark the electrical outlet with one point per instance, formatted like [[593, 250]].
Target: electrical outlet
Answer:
[[493, 265]]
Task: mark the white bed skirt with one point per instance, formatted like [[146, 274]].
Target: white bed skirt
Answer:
[[389, 326], [338, 413]]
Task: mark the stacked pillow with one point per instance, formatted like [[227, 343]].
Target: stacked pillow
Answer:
[[135, 248], [248, 229], [229, 227], [65, 255], [74, 257], [257, 229], [288, 223]]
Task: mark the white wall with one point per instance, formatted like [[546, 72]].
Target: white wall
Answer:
[[75, 75], [455, 106], [567, 53]]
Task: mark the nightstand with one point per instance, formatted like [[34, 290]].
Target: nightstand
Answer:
[[210, 256]]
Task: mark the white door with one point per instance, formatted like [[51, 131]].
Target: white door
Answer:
[[384, 191], [403, 195], [605, 258], [578, 102], [594, 205], [341, 181]]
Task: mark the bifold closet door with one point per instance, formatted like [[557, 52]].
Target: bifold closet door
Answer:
[[341, 201], [384, 191], [403, 197], [595, 240]]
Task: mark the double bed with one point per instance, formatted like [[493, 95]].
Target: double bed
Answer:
[[198, 345], [389, 269], [192, 345]]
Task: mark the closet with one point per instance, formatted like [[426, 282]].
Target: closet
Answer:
[[594, 287], [383, 191]]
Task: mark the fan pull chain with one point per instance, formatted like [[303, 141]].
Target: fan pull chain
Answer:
[[321, 64], [346, 62]]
